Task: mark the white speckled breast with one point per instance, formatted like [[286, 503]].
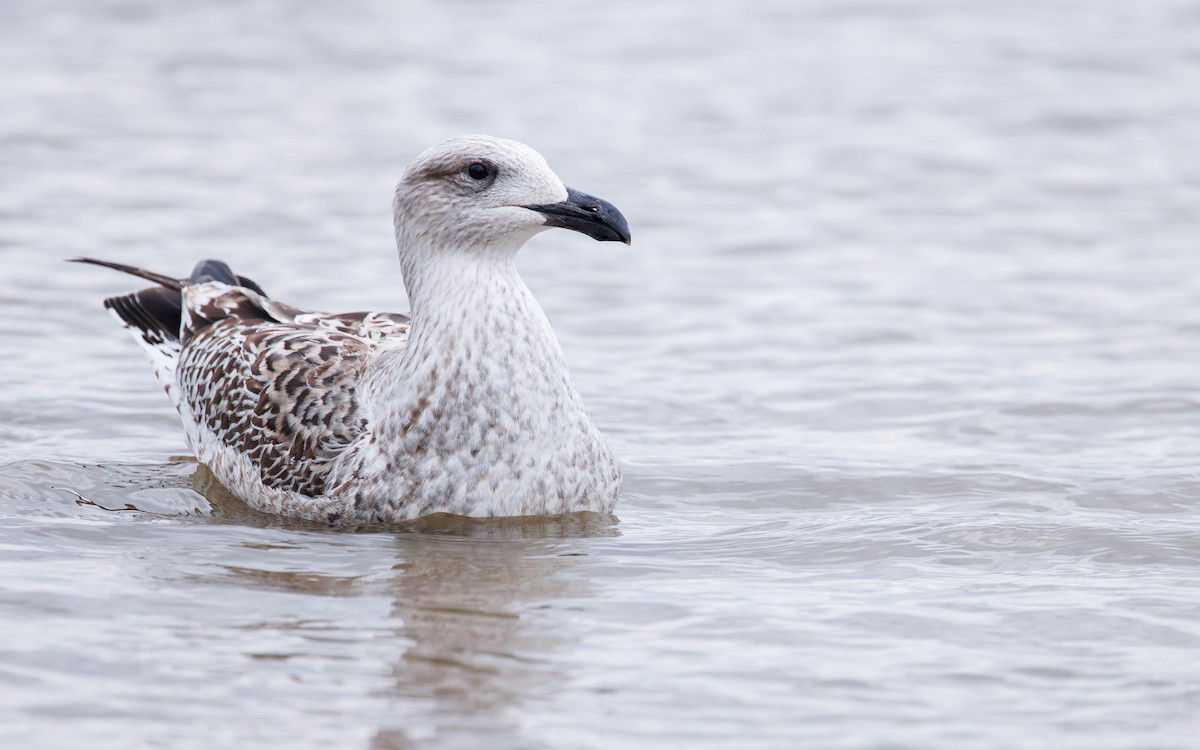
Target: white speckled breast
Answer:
[[477, 415]]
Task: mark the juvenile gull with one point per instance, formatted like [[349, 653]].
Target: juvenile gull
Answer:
[[464, 406]]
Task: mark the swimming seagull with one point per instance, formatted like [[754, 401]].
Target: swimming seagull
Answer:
[[464, 406]]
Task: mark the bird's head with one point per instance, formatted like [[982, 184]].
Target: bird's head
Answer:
[[481, 194]]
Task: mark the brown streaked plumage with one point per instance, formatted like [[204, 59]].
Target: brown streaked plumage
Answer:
[[467, 407]]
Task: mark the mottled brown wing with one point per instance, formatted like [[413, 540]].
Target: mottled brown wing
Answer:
[[274, 383], [372, 326], [285, 396]]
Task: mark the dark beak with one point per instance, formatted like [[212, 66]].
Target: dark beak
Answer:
[[581, 212]]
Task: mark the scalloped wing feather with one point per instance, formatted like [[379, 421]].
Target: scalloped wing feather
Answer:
[[275, 384]]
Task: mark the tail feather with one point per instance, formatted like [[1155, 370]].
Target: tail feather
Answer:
[[155, 316], [156, 313]]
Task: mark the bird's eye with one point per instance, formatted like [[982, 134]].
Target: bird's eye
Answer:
[[479, 171]]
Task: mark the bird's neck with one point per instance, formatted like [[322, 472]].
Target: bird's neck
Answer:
[[477, 310], [477, 340]]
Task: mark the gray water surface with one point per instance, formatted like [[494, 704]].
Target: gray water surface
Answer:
[[901, 368]]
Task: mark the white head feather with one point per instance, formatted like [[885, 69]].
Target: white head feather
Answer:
[[441, 207]]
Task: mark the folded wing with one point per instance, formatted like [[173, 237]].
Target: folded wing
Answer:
[[255, 379]]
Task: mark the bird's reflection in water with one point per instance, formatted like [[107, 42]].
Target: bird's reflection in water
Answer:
[[484, 604]]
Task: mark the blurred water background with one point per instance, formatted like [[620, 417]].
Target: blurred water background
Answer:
[[901, 367]]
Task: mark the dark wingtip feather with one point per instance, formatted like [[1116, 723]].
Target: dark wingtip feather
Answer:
[[250, 284], [213, 270], [205, 270], [158, 278], [216, 270]]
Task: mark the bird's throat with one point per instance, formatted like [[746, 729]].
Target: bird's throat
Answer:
[[480, 357]]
